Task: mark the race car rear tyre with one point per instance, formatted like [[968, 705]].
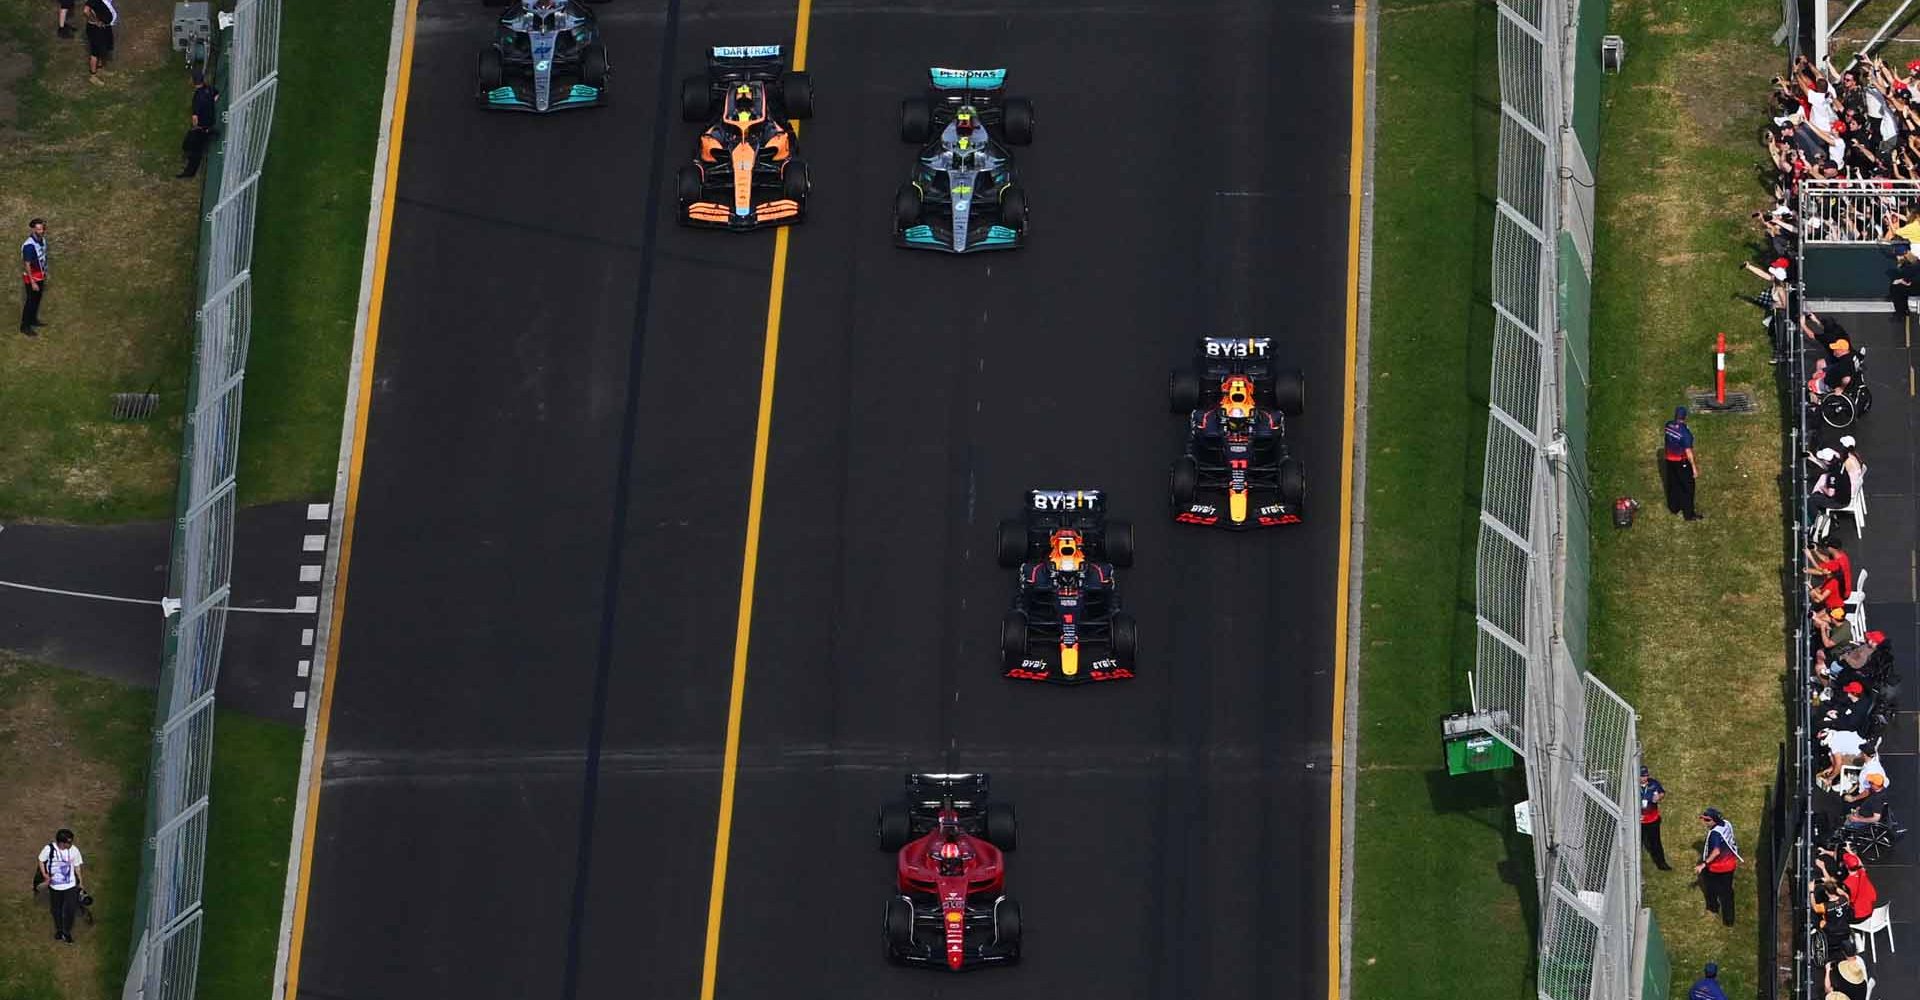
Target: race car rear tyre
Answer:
[[796, 181], [1006, 922], [1119, 543], [1013, 636], [1016, 120], [796, 92], [906, 206], [1013, 208], [895, 826], [896, 922], [593, 66], [492, 72], [1003, 831], [1290, 392], [916, 120], [1011, 544], [1293, 482], [1183, 483], [1126, 637], [687, 179], [696, 99], [1183, 391]]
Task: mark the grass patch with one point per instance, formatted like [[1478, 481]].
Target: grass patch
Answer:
[[98, 163], [74, 749], [1444, 896], [256, 767], [307, 255], [1678, 150]]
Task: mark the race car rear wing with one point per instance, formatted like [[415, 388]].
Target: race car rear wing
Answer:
[[1223, 356], [745, 62], [983, 80], [1066, 501], [928, 793]]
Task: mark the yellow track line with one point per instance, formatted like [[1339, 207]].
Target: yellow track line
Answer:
[[375, 297], [749, 566], [1337, 787]]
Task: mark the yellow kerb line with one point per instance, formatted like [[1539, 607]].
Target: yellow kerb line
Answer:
[[749, 565], [376, 296], [1337, 786]]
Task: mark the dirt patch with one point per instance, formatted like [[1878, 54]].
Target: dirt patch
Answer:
[[52, 784]]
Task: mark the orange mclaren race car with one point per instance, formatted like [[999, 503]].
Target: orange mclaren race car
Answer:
[[746, 173], [1237, 472], [1066, 625], [949, 904]]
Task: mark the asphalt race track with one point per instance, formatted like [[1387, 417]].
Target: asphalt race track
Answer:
[[527, 730]]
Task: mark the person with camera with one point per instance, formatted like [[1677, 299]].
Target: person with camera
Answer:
[[60, 864]]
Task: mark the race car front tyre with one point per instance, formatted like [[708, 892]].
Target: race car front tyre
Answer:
[[1119, 543], [696, 99], [1006, 922], [906, 206], [1183, 483], [492, 72], [796, 92], [795, 180], [896, 923], [1011, 543], [1013, 209], [1290, 392], [895, 827], [1002, 829], [687, 179], [1016, 120], [1013, 636], [916, 120], [1126, 637], [1293, 482], [593, 66], [1183, 391]]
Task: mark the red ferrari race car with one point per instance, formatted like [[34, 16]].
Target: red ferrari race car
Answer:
[[950, 906]]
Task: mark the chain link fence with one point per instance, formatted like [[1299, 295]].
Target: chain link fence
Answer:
[[167, 914], [1578, 738]]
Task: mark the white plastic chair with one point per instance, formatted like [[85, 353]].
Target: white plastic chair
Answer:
[[1856, 604], [1881, 920], [1857, 507]]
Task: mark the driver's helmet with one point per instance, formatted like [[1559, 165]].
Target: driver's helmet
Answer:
[[965, 122], [1236, 397], [743, 103], [951, 857], [1065, 552]]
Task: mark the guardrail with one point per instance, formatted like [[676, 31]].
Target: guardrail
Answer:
[[167, 912]]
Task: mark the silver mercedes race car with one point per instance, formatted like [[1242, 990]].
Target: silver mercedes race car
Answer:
[[964, 195], [545, 56]]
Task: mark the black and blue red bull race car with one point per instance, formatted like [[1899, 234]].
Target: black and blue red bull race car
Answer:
[[1237, 471], [746, 173], [546, 56], [950, 905], [1066, 625], [964, 195]]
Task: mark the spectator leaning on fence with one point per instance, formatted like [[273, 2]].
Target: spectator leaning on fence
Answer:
[[1846, 979], [199, 124], [1651, 792], [33, 275]]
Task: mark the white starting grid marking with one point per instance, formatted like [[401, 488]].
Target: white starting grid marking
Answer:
[[309, 574], [318, 511], [309, 603], [314, 543], [305, 668], [299, 699]]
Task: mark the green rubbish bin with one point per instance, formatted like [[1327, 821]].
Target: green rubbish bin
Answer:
[[1469, 753]]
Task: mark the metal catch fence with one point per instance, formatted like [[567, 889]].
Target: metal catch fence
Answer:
[[167, 913], [1578, 738], [1835, 212]]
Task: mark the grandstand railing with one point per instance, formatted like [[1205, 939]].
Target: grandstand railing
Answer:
[[167, 912], [1844, 212]]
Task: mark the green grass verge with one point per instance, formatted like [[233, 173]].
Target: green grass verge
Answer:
[[309, 246], [1444, 894], [97, 162], [74, 749], [256, 767], [1679, 144]]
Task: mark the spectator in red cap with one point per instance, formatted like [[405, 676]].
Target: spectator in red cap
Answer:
[[1860, 888], [1778, 288], [1852, 711]]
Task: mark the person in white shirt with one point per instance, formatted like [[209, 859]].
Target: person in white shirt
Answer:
[[60, 864]]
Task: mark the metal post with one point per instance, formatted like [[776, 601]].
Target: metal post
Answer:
[[1819, 7], [1821, 31]]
